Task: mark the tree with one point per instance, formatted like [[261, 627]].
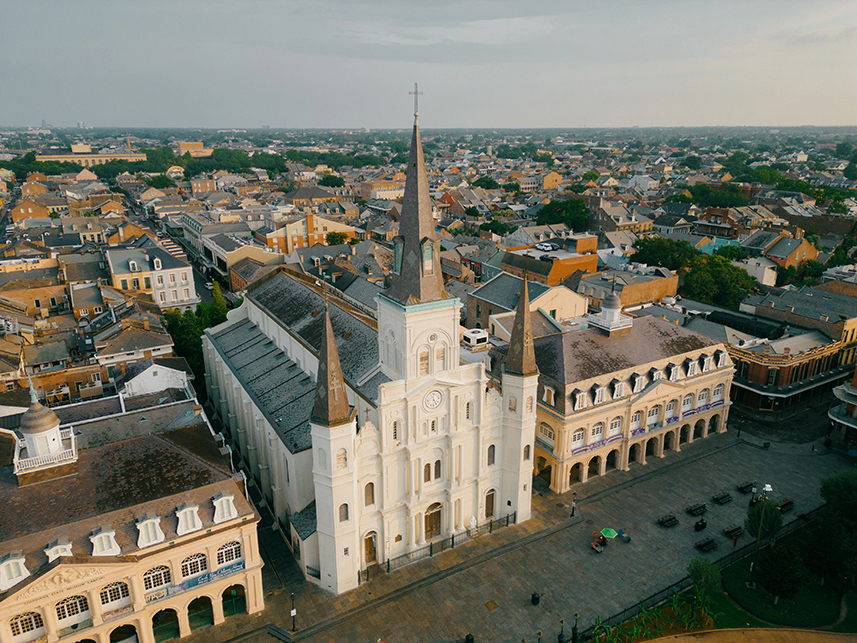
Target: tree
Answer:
[[486, 183], [731, 253], [590, 176], [667, 253], [572, 212], [850, 172], [781, 570], [837, 207], [764, 519], [713, 280], [336, 238], [471, 211], [332, 181], [704, 574], [218, 305], [692, 162], [512, 187], [839, 491], [497, 227], [844, 149], [160, 181], [680, 197]]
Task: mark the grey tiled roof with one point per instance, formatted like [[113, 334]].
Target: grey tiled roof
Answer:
[[304, 521], [503, 290], [281, 390]]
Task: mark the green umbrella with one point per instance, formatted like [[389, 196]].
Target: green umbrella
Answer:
[[610, 533]]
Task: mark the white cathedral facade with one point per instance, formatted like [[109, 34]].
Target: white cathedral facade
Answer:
[[367, 436]]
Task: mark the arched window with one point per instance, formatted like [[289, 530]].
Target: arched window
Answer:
[[156, 577], [343, 512], [26, 623], [434, 426], [616, 426], [114, 592], [342, 459], [546, 434], [194, 564], [686, 402], [427, 473], [718, 392], [577, 438], [395, 429], [530, 404], [636, 419], [598, 431], [702, 400], [491, 456], [670, 410], [71, 606], [424, 362], [437, 467], [228, 552], [527, 452], [513, 403], [369, 494], [654, 414], [467, 410], [428, 258]]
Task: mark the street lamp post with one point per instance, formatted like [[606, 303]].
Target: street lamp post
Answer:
[[762, 496], [573, 502], [561, 637], [294, 615], [574, 628]]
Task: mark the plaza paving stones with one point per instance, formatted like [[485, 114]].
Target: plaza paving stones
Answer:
[[444, 598]]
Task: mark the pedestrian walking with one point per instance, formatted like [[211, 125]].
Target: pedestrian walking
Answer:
[[573, 507], [734, 542]]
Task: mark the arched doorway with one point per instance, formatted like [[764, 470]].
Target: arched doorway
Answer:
[[651, 447], [432, 521], [200, 612], [699, 430], [543, 472], [124, 634], [490, 501], [635, 454], [370, 548], [234, 601], [713, 424], [165, 625], [574, 473], [613, 460], [669, 441], [594, 467], [684, 434], [86, 641]]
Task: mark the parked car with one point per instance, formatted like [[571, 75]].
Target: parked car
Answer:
[[544, 246], [209, 285]]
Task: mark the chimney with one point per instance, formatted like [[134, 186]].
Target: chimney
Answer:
[[121, 233], [787, 351], [767, 349], [146, 322]]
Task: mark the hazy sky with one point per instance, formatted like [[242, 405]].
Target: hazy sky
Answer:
[[481, 63]]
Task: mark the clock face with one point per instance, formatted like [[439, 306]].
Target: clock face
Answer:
[[433, 399]]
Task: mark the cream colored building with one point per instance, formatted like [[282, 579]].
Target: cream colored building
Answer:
[[91, 550], [620, 390]]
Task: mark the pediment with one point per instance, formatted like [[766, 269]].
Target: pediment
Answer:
[[63, 579]]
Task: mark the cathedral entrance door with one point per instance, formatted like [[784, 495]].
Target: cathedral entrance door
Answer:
[[433, 521], [369, 544], [489, 505]]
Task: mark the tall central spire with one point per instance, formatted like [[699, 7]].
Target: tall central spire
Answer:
[[417, 277]]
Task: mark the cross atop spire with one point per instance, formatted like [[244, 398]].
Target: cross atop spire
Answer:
[[416, 94]]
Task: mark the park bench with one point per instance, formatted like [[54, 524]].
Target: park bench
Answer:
[[707, 544], [668, 521], [722, 498], [786, 505], [697, 509], [624, 535], [734, 530], [745, 487]]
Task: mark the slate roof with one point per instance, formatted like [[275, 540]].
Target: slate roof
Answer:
[[133, 339], [784, 247], [580, 355], [281, 390], [527, 263], [504, 289], [304, 521]]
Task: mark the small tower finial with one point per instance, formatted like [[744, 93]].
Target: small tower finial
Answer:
[[34, 397], [416, 94]]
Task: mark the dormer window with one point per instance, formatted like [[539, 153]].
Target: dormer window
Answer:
[[224, 508], [707, 363], [132, 266], [13, 570], [721, 359], [428, 258], [57, 549], [188, 520], [692, 367], [104, 543], [549, 395], [580, 401], [150, 532], [157, 263], [600, 395], [656, 374], [638, 382], [618, 389]]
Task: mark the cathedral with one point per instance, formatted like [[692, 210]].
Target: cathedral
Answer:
[[367, 436]]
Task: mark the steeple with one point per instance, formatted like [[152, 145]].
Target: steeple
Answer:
[[521, 356], [331, 401], [416, 260]]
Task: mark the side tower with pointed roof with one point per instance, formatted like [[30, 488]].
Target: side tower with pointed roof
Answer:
[[333, 427], [520, 383]]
